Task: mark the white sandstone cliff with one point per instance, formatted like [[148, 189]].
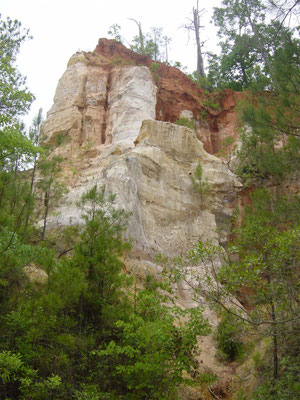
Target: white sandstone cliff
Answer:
[[108, 117], [107, 114]]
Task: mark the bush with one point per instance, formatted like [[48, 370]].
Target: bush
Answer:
[[154, 68], [287, 387], [189, 123], [155, 348], [229, 337], [200, 185]]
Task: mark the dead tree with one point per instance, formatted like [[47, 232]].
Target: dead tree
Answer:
[[194, 25], [140, 36]]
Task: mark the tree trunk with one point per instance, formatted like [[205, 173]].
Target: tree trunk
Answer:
[[255, 31], [200, 64], [47, 196], [141, 36], [31, 191], [275, 343], [274, 335]]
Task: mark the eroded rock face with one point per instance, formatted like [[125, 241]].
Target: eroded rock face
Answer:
[[107, 110], [86, 85], [131, 99], [117, 122], [153, 182], [78, 109], [97, 104], [104, 78], [105, 107]]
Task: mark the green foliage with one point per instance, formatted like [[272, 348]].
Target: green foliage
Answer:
[[15, 374], [52, 189], [14, 96], [259, 52], [15, 256], [87, 338], [15, 199], [154, 68], [97, 255], [189, 123], [207, 378], [264, 276], [210, 101], [199, 185], [229, 337], [251, 41], [179, 65], [241, 59], [227, 142], [79, 334], [56, 327], [287, 387], [86, 333], [62, 139], [120, 61], [228, 150], [154, 349], [202, 82], [15, 100], [115, 32], [152, 44], [270, 147], [44, 389], [258, 361], [10, 364], [91, 392], [267, 253]]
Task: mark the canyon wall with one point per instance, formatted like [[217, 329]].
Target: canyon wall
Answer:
[[115, 117]]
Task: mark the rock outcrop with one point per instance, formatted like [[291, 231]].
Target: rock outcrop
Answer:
[[97, 84], [116, 118], [111, 112], [108, 113], [96, 104], [152, 180]]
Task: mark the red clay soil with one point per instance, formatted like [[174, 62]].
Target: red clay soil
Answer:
[[176, 92]]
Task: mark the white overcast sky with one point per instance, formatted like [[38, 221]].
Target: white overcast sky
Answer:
[[62, 27]]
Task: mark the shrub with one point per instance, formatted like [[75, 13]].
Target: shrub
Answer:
[[154, 68], [200, 186], [189, 123], [229, 337]]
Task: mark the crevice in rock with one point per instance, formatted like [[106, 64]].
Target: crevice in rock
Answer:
[[106, 106], [82, 130], [215, 141], [81, 108]]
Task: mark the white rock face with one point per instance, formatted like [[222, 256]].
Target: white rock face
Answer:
[[186, 114], [107, 112], [131, 99], [94, 106], [153, 182]]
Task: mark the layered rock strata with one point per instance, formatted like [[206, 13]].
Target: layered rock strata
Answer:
[[152, 180], [110, 113], [115, 120], [88, 87]]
